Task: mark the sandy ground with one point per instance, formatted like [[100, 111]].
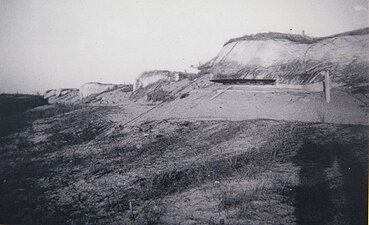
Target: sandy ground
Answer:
[[220, 102], [217, 155], [68, 167]]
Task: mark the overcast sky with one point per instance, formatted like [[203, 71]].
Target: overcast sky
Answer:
[[48, 44]]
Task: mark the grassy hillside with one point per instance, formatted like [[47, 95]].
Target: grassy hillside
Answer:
[[12, 106], [301, 39], [18, 103], [70, 166]]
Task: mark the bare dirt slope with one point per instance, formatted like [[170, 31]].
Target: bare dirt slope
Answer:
[[68, 166], [204, 100]]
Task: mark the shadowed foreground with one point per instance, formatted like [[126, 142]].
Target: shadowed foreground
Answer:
[[68, 166]]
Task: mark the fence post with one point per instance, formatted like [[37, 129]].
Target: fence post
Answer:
[[132, 215], [327, 86]]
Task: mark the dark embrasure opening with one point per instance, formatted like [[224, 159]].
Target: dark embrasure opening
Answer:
[[246, 81]]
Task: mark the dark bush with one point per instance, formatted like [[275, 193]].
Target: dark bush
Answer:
[[184, 95], [159, 95]]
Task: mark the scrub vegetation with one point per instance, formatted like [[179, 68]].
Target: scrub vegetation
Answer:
[[67, 165]]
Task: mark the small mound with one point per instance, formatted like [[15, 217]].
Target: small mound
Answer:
[[114, 96], [62, 95], [161, 90]]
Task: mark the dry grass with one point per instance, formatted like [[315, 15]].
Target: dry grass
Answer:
[[210, 172], [159, 95], [12, 107], [295, 37]]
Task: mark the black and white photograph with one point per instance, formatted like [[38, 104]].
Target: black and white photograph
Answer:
[[184, 112]]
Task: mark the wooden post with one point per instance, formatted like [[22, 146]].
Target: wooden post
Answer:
[[132, 216], [327, 87]]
